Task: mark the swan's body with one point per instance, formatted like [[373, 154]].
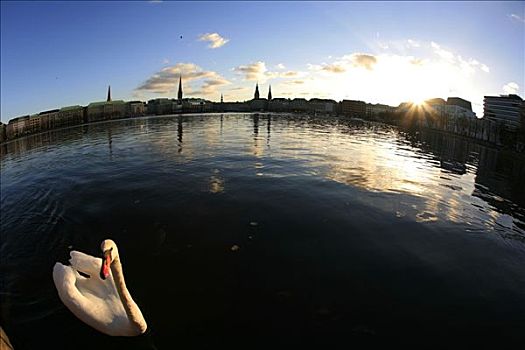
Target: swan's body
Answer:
[[104, 304]]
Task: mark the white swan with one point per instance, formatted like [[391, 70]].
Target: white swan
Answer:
[[102, 299]]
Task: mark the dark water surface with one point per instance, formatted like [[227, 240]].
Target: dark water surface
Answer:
[[347, 231]]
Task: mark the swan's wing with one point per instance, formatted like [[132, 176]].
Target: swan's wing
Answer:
[[92, 300], [94, 284], [85, 263]]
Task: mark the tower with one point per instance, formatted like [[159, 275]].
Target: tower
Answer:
[[109, 94], [256, 95], [270, 93], [222, 99], [179, 95]]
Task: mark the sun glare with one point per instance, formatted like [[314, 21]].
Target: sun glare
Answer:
[[418, 101]]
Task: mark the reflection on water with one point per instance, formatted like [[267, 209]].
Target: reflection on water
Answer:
[[338, 222]]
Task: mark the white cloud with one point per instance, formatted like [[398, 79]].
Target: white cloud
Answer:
[[444, 54], [362, 60], [334, 68], [511, 88], [215, 40], [166, 80], [393, 78], [413, 43], [289, 74], [280, 66], [253, 71], [467, 65]]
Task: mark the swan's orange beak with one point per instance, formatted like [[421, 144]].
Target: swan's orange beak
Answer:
[[106, 262]]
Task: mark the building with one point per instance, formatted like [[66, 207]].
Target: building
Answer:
[[454, 111], [435, 102], [260, 104], [97, 111], [256, 94], [68, 116], [3, 136], [179, 93], [353, 108], [373, 110], [457, 101], [279, 105], [17, 127], [235, 107], [160, 106], [298, 105], [196, 105], [270, 93], [504, 109], [135, 109], [42, 121], [319, 105]]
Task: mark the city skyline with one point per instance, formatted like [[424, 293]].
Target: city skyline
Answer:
[[59, 54]]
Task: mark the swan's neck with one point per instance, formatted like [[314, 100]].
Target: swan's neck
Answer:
[[132, 310]]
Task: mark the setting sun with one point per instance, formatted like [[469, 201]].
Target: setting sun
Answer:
[[418, 101]]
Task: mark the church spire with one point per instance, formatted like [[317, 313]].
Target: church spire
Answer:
[[256, 95], [179, 95], [270, 93], [109, 94], [222, 99]]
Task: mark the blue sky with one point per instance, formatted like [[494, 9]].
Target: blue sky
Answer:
[[57, 54]]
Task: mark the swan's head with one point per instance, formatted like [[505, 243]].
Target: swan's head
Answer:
[[109, 254]]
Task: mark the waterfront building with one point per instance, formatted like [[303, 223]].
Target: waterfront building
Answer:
[[298, 105], [455, 111], [438, 101], [135, 108], [320, 105], [197, 105], [353, 108], [373, 110], [68, 116], [259, 104], [457, 101], [504, 109], [41, 121], [159, 106], [235, 107], [404, 107], [179, 93], [279, 105], [97, 111], [455, 107], [17, 127], [3, 135]]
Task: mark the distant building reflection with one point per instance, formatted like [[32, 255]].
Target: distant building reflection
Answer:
[[179, 133], [257, 150], [499, 174], [436, 168], [268, 130]]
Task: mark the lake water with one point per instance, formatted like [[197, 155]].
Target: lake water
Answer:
[[346, 231]]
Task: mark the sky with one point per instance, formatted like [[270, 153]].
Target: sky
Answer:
[[56, 54]]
